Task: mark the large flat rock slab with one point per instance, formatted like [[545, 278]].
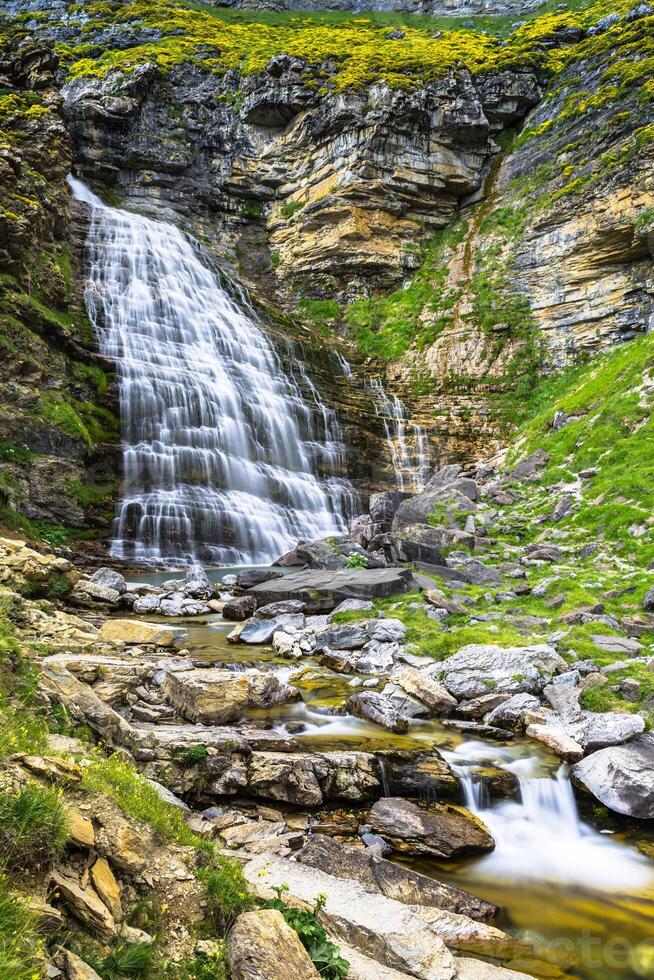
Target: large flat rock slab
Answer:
[[323, 590]]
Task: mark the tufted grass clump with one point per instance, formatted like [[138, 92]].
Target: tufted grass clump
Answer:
[[33, 827], [20, 943]]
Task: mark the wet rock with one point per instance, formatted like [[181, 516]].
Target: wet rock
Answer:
[[390, 879], [240, 608], [440, 830], [212, 697], [261, 946], [476, 668], [322, 591], [621, 777], [177, 604], [261, 631], [427, 690], [479, 707], [378, 709], [132, 631]]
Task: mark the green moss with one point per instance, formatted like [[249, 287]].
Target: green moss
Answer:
[[291, 208], [387, 326]]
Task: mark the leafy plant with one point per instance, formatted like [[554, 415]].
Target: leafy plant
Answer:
[[227, 894], [355, 560], [324, 954]]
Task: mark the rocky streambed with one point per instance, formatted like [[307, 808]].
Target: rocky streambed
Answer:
[[331, 758]]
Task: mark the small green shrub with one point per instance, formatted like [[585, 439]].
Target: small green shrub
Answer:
[[324, 954], [227, 893], [355, 560], [127, 960], [33, 827], [191, 756], [288, 210]]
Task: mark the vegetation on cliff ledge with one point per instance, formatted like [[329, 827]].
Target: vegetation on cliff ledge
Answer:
[[352, 51]]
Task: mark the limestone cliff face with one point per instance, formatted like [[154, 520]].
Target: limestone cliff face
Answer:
[[323, 195], [55, 409]]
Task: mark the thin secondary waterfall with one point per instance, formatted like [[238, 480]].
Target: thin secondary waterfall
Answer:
[[407, 442], [221, 451]]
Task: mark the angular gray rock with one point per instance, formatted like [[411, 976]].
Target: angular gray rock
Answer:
[[111, 579], [379, 709], [481, 668], [621, 777], [322, 591], [391, 879]]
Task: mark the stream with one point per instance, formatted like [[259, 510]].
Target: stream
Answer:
[[582, 895]]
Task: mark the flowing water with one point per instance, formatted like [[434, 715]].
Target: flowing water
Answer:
[[407, 442], [584, 898], [221, 450]]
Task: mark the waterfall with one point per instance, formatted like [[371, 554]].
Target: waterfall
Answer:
[[540, 836], [411, 467], [221, 451]]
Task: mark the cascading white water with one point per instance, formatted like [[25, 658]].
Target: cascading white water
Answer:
[[541, 837], [220, 450], [411, 467]]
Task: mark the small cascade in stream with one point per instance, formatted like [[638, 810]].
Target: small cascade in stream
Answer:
[[541, 836], [407, 442], [221, 450]]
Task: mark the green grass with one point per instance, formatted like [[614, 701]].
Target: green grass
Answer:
[[33, 827], [20, 942]]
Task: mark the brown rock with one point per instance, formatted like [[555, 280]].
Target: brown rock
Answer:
[[107, 887], [84, 904], [80, 830], [261, 946], [440, 830], [73, 967], [427, 690]]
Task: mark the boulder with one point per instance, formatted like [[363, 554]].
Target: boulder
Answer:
[[511, 713], [557, 740], [111, 579], [449, 503], [379, 709], [261, 631], [416, 542], [327, 553], [648, 599], [83, 704], [213, 697], [240, 607], [132, 631], [261, 946], [309, 780], [86, 592], [352, 605], [381, 928], [621, 777], [481, 668], [617, 644], [440, 830], [255, 576], [197, 584], [383, 506], [292, 607], [426, 689], [390, 879], [322, 591]]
